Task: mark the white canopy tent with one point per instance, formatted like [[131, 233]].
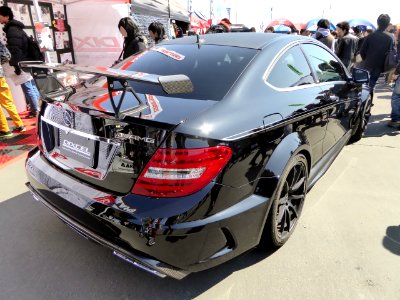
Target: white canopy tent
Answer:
[[95, 36]]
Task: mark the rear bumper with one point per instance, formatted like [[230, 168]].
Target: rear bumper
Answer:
[[150, 265], [190, 245]]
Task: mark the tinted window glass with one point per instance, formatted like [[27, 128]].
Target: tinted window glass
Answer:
[[324, 63], [291, 70], [212, 69]]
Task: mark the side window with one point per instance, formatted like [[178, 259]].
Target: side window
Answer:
[[291, 70], [325, 65]]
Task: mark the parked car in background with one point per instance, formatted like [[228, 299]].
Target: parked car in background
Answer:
[[196, 150]]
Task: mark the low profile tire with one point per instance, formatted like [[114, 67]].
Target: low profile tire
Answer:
[[287, 203], [361, 122]]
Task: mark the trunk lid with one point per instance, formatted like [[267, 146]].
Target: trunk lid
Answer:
[[84, 138]]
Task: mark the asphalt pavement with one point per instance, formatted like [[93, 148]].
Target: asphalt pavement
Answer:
[[346, 245]]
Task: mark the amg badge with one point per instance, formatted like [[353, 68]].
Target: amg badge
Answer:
[[132, 137]]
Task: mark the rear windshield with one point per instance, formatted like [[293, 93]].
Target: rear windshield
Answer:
[[212, 69]]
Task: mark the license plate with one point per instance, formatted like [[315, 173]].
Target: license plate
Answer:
[[79, 148]]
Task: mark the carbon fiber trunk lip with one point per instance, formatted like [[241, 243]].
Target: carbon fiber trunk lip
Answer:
[[150, 265]]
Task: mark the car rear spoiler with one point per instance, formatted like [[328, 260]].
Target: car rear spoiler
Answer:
[[171, 84]]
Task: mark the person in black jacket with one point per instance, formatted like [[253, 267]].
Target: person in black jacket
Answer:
[[17, 44], [347, 44], [374, 48], [134, 41]]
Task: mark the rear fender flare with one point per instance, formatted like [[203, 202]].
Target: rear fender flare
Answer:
[[290, 146]]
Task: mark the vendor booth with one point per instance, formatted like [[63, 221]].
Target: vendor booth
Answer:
[[170, 13], [47, 23], [85, 32]]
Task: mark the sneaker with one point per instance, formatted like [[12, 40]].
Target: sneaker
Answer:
[[5, 135], [394, 124], [19, 129]]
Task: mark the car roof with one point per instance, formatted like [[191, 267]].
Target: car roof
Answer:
[[252, 40]]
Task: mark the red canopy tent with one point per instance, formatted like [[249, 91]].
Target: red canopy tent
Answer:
[[300, 26], [283, 21], [199, 22]]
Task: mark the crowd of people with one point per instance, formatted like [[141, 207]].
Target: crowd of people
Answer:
[[366, 49], [355, 46]]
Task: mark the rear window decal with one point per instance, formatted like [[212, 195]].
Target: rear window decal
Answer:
[[169, 53]]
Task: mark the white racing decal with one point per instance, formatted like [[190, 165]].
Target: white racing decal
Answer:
[[169, 53], [154, 105]]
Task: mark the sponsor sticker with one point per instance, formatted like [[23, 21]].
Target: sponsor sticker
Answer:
[[58, 155], [90, 172], [169, 53], [154, 105], [107, 200]]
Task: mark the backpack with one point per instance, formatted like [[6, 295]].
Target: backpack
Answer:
[[5, 55], [34, 52]]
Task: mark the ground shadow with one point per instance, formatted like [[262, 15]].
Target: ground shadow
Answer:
[[384, 97], [382, 87], [42, 258], [377, 127], [391, 241]]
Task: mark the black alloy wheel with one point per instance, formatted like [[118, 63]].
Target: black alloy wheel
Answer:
[[362, 122], [288, 201]]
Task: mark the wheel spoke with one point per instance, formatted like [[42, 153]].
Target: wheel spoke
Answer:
[[294, 210], [288, 221], [295, 178], [281, 211], [283, 200], [298, 184], [295, 197], [282, 220]]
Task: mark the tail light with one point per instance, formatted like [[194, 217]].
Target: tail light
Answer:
[[181, 172]]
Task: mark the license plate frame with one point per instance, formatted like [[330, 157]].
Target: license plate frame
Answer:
[[78, 148]]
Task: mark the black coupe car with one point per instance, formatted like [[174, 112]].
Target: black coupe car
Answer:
[[196, 150]]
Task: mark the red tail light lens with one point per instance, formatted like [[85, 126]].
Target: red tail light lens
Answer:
[[181, 172]]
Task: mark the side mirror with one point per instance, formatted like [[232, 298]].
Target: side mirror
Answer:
[[360, 75]]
